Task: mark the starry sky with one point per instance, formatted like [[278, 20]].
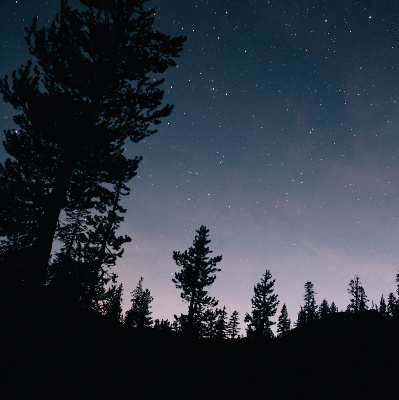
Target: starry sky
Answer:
[[283, 142]]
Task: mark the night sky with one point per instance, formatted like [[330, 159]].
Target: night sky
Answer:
[[283, 142]]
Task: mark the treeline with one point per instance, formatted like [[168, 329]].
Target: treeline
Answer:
[[205, 320]]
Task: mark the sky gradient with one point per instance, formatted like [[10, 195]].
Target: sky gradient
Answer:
[[283, 142]]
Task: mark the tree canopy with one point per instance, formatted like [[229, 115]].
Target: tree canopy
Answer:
[[92, 86], [358, 300]]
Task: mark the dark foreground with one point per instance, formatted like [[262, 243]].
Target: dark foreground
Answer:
[[86, 357]]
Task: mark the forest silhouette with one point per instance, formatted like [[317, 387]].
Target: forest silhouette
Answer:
[[95, 86]]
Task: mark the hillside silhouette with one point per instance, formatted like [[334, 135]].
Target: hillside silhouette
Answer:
[[80, 355]]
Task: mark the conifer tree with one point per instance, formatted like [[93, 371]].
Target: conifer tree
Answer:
[[111, 305], [221, 326], [205, 321], [284, 322], [198, 272], [301, 319], [333, 308], [94, 86], [363, 300], [324, 309], [264, 306], [139, 314], [358, 300], [232, 326], [310, 307], [392, 305], [397, 281]]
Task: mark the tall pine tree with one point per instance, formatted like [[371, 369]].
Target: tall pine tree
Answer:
[[358, 300], [284, 322], [324, 309], [396, 308], [139, 314], [232, 326], [198, 272], [93, 87], [333, 308], [264, 306], [310, 307], [111, 305], [392, 307], [221, 326]]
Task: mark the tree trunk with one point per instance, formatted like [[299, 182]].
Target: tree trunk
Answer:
[[41, 248]]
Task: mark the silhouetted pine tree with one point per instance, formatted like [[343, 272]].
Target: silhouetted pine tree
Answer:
[[301, 319], [324, 309], [383, 306], [333, 308], [392, 305], [310, 307], [363, 300], [264, 306], [94, 86], [197, 273], [111, 304], [284, 322], [139, 315], [221, 326], [397, 300], [358, 301], [205, 320], [232, 327]]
